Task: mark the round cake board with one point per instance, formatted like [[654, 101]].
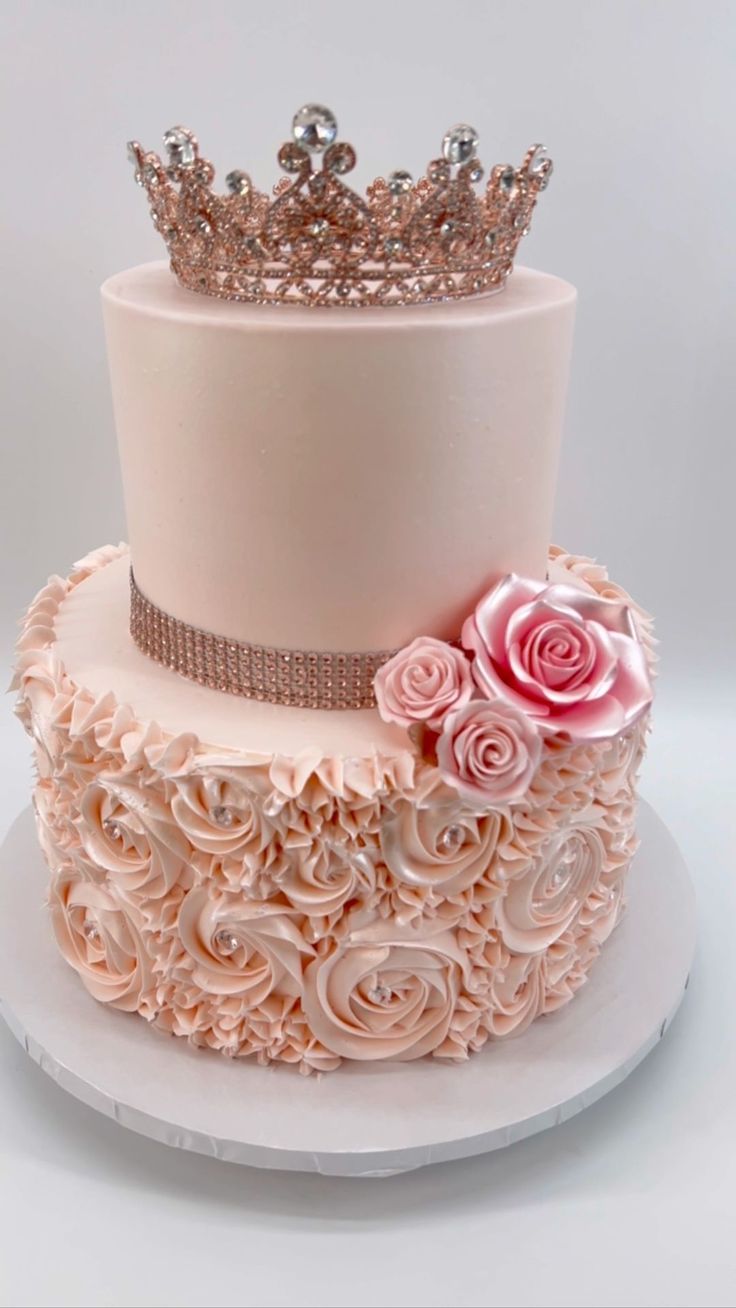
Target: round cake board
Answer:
[[365, 1119]]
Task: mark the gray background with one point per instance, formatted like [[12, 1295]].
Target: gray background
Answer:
[[632, 1203], [634, 103]]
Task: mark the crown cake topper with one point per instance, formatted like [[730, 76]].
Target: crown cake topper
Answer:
[[317, 242]]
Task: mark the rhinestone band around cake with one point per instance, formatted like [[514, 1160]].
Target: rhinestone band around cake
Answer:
[[315, 679]]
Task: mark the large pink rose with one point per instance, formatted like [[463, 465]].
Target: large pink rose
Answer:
[[423, 683], [489, 752], [567, 658]]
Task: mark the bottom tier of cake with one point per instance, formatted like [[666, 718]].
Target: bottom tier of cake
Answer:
[[303, 886]]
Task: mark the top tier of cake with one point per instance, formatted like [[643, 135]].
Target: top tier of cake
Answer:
[[335, 479]]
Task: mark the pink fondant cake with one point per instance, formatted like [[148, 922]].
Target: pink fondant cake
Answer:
[[338, 760]]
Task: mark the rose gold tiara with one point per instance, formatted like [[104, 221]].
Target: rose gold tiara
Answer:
[[317, 242]]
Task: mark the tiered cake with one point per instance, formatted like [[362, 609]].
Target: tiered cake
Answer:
[[338, 760]]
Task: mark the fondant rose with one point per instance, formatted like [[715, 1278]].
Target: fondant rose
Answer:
[[423, 683], [489, 752], [242, 948], [129, 831], [385, 992], [569, 659], [540, 904], [100, 937]]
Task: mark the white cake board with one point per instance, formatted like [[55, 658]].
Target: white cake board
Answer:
[[364, 1120]]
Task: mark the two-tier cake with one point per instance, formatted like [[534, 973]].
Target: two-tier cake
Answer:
[[337, 760]]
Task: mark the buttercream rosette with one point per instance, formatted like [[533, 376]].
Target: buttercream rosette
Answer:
[[316, 908]]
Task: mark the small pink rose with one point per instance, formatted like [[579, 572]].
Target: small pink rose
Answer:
[[489, 751], [567, 658], [423, 683]]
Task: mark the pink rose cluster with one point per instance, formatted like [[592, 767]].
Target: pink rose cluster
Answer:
[[535, 660]]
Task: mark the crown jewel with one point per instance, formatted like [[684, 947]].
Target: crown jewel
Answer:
[[316, 241]]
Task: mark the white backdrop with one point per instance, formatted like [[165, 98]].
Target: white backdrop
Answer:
[[635, 101]]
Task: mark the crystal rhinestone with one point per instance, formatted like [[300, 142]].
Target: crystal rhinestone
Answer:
[[540, 164], [131, 150], [393, 246], [460, 144], [476, 173], [222, 815], [438, 171], [150, 176], [203, 227], [400, 181], [178, 141], [452, 838], [314, 127], [491, 238], [507, 181], [380, 994], [253, 245], [447, 227], [91, 931], [112, 829], [319, 227], [292, 157], [238, 182], [226, 942], [340, 158]]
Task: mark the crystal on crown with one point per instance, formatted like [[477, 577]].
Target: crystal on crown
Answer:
[[317, 242]]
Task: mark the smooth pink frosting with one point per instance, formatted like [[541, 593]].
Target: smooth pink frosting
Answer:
[[379, 454], [327, 906]]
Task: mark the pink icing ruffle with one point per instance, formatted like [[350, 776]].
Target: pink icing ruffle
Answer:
[[311, 909]]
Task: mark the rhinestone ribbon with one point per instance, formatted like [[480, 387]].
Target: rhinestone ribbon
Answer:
[[315, 679]]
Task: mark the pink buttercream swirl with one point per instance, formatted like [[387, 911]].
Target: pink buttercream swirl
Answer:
[[100, 937], [423, 683], [568, 659], [541, 902], [241, 948], [385, 992], [131, 833]]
